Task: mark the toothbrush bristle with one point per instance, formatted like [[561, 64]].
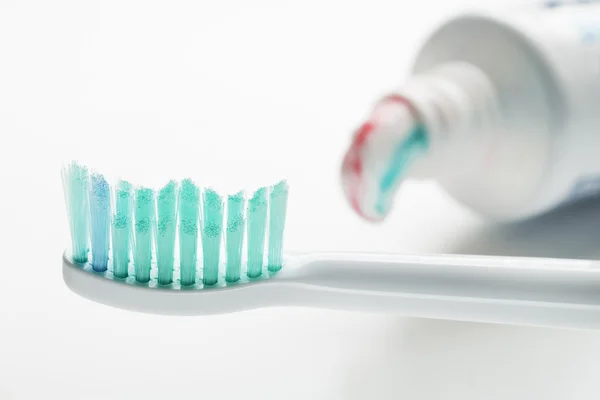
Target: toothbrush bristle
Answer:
[[277, 210], [75, 184], [189, 205], [257, 226], [150, 237], [234, 239], [212, 226], [144, 217], [100, 222], [166, 205], [121, 229]]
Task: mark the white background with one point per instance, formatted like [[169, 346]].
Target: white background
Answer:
[[239, 93]]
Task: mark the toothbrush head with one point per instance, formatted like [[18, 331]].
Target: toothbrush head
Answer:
[[381, 152], [180, 238], [174, 298]]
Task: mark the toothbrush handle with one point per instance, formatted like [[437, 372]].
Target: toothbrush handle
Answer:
[[544, 292]]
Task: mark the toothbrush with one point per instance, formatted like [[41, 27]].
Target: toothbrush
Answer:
[[524, 291]]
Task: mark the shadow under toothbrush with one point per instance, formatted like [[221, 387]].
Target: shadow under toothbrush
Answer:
[[431, 359], [570, 232]]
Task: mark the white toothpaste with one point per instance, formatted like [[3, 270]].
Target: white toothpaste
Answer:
[[502, 110]]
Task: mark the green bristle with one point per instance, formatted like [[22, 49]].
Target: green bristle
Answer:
[[277, 209], [121, 230], [257, 223], [234, 238], [100, 222], [144, 219], [189, 201], [212, 227], [166, 232], [75, 185]]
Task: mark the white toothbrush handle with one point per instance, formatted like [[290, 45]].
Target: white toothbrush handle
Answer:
[[544, 292]]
